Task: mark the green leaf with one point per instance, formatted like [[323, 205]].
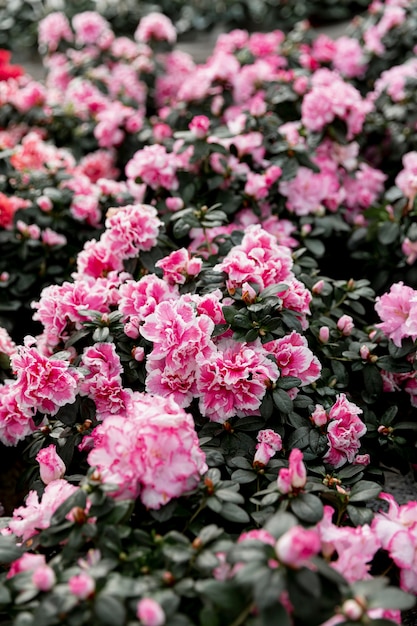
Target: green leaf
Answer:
[[307, 507], [388, 232], [274, 615], [279, 523], [242, 476], [282, 400], [363, 491], [391, 598], [222, 593], [109, 610], [359, 515], [234, 513], [9, 551]]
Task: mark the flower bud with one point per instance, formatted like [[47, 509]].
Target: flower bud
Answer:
[[150, 613], [44, 578], [345, 325], [82, 585], [324, 334], [51, 466]]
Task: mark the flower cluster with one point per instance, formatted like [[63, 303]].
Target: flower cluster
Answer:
[[207, 389]]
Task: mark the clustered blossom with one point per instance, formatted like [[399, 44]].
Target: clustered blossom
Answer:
[[151, 452], [398, 311], [344, 429], [136, 334]]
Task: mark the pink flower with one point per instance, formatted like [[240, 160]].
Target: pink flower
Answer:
[[36, 515], [295, 476], [319, 416], [151, 451], [398, 311], [52, 29], [296, 547], [343, 432], [258, 259], [51, 466], [150, 613], [269, 442], [155, 27], [44, 578], [82, 585], [179, 266], [345, 325], [51, 238], [199, 126], [16, 421], [28, 562], [294, 357], [233, 379], [92, 29], [406, 180], [44, 383], [154, 166], [349, 550], [7, 345], [131, 229]]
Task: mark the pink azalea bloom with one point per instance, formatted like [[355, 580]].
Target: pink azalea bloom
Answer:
[[154, 166], [258, 259], [150, 613], [296, 547], [92, 29], [293, 477], [351, 549], [16, 421], [36, 514], [7, 345], [44, 578], [152, 451], [28, 562], [398, 311], [269, 442], [397, 531], [51, 466], [52, 29], [130, 229], [294, 357], [406, 180], [82, 585], [233, 379], [178, 266], [155, 27], [344, 430], [44, 383], [173, 324]]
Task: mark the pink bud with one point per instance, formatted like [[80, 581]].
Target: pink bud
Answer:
[[364, 352], [45, 204], [174, 204], [138, 354], [319, 416], [345, 324], [297, 546], [297, 469], [51, 466], [352, 610], [199, 126], [44, 578], [362, 459], [317, 288], [82, 585], [150, 613], [324, 334], [284, 481]]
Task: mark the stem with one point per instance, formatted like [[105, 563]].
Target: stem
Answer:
[[241, 618], [196, 514]]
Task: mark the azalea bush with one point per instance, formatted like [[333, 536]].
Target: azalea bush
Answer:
[[19, 18], [208, 341]]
